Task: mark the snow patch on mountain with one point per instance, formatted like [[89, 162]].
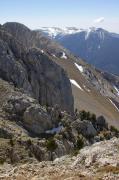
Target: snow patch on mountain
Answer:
[[54, 31], [53, 55], [76, 84], [51, 31], [87, 33], [117, 90], [42, 51], [88, 90], [101, 35], [80, 68], [64, 56], [54, 130], [100, 32], [114, 104]]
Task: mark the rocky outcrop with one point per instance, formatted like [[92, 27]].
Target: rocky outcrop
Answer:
[[36, 119], [101, 123], [85, 128], [103, 154], [99, 161], [27, 67], [33, 38], [27, 110], [56, 133]]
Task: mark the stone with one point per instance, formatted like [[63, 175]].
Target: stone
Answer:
[[18, 104], [36, 119], [101, 123], [85, 128]]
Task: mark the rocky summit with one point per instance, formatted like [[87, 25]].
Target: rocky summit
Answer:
[[58, 117]]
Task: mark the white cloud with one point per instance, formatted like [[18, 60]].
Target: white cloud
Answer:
[[99, 20]]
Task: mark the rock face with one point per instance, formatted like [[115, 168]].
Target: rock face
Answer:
[[36, 119], [27, 110], [24, 64]]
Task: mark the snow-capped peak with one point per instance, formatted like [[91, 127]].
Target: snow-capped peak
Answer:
[[54, 31], [99, 31]]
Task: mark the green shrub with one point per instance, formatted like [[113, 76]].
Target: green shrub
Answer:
[[112, 90], [29, 142], [80, 142], [93, 117], [58, 136], [74, 152], [115, 130], [12, 143], [87, 116], [83, 115], [106, 135], [51, 144], [30, 154], [2, 161]]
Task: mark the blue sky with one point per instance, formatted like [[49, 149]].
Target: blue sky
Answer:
[[62, 13]]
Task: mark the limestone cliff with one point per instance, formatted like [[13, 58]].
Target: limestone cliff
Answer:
[[27, 67]]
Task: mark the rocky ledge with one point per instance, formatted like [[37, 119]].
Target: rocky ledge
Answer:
[[99, 161]]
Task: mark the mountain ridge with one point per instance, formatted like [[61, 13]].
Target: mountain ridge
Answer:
[[96, 45]]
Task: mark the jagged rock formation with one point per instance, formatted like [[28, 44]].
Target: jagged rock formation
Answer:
[[85, 128], [27, 67]]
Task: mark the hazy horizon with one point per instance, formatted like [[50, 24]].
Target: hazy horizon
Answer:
[[63, 13]]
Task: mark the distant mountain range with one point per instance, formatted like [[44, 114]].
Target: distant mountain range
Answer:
[[96, 45]]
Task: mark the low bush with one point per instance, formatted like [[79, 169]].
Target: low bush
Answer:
[[80, 142], [51, 144], [84, 115], [12, 143], [113, 129]]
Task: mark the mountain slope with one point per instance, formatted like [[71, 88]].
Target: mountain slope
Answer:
[[94, 92], [37, 117], [97, 46]]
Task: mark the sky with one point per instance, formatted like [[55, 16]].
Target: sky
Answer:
[[62, 13]]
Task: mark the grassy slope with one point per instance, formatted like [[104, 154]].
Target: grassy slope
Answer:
[[91, 101]]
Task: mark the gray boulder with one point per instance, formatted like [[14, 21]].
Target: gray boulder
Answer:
[[29, 112], [101, 123], [18, 104], [36, 119], [85, 128]]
